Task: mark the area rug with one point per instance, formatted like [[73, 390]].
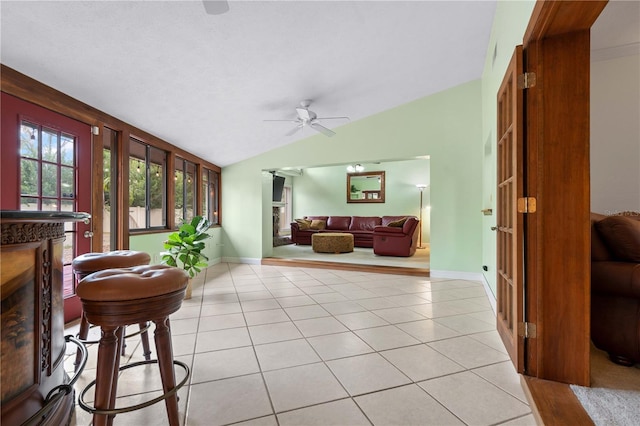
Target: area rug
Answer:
[[281, 241], [614, 398]]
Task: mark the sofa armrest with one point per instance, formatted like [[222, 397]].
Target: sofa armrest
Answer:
[[616, 278], [388, 230]]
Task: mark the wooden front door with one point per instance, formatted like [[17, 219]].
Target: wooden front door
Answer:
[[509, 222], [46, 165]]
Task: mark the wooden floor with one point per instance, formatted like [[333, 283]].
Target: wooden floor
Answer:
[[396, 270]]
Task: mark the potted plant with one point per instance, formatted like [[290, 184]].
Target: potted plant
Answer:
[[185, 248]]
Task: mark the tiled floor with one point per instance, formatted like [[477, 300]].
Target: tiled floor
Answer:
[[274, 345]]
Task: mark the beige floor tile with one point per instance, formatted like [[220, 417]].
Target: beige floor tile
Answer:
[[377, 303], [387, 337], [491, 339], [465, 324], [427, 330], [259, 305], [228, 401], [255, 295], [405, 406], [291, 353], [358, 320], [220, 322], [318, 289], [221, 309], [208, 366], [302, 386], [287, 302], [222, 339], [180, 326], [355, 373], [358, 294], [473, 399], [468, 352], [345, 307], [266, 317], [250, 288], [183, 344], [277, 332], [407, 300], [214, 299], [503, 375], [286, 292], [319, 326], [329, 297], [421, 362], [527, 420], [398, 315], [260, 421], [336, 413], [340, 345], [306, 312]]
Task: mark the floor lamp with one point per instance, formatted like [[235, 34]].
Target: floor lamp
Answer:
[[421, 187]]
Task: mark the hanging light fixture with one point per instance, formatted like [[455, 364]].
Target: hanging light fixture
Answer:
[[357, 168]]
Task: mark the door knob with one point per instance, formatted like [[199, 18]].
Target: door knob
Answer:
[[88, 234]]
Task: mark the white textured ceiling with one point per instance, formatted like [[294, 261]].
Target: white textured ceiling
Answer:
[[206, 82]]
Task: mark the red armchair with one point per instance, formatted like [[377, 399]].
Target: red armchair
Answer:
[[396, 241]]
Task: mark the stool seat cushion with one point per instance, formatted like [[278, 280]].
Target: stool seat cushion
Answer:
[[91, 262], [139, 282]]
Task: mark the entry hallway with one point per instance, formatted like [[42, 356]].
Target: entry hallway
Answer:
[[271, 345]]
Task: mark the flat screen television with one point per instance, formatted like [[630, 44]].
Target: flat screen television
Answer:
[[278, 185]]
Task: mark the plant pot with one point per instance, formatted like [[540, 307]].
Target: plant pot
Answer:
[[187, 294]]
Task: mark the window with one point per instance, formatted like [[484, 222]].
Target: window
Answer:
[[185, 191], [210, 195], [147, 187]]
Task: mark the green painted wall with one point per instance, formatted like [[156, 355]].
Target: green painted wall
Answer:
[[509, 24], [447, 126], [323, 191]]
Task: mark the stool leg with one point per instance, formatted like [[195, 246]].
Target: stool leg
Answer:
[[164, 350], [82, 335], [144, 336], [107, 373]]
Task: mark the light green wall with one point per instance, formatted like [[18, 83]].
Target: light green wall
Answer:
[[322, 191], [447, 126], [509, 24]]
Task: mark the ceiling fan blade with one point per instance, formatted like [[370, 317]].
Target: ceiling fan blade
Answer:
[[320, 128], [303, 113], [215, 7], [333, 118], [294, 130]]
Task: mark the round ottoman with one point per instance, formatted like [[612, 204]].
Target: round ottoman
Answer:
[[332, 242]]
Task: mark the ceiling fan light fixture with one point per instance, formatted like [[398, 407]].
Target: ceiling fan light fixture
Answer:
[[356, 168]]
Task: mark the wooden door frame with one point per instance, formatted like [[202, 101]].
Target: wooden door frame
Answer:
[[557, 236]]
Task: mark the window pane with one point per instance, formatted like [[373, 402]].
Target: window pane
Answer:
[[190, 191], [67, 182], [29, 140], [214, 198], [67, 149], [157, 188], [28, 177], [179, 188], [27, 204], [137, 185], [68, 206], [50, 205], [205, 194], [49, 146], [49, 180]]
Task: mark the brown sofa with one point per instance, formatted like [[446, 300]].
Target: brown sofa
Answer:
[[361, 227], [615, 286]]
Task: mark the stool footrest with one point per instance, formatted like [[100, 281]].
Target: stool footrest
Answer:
[[121, 410]]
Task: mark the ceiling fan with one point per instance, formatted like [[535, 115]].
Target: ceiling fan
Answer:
[[305, 117]]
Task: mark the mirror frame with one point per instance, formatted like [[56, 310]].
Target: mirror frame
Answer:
[[380, 198]]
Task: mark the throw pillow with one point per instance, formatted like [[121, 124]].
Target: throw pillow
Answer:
[[397, 223], [303, 224], [318, 224], [622, 236]]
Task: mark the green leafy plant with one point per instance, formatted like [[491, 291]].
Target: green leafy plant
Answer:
[[185, 246]]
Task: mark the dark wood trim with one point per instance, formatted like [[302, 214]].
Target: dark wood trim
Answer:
[[97, 198], [557, 239], [553, 403], [171, 191], [395, 270]]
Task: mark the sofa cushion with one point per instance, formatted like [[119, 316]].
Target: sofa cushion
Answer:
[[622, 236], [338, 223], [303, 224], [387, 219], [397, 223], [318, 224], [364, 223]]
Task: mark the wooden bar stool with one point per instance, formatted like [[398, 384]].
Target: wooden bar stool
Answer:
[[114, 298], [89, 263]]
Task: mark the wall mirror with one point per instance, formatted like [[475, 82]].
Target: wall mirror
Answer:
[[365, 187]]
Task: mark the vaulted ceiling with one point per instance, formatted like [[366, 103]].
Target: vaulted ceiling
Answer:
[[206, 82]]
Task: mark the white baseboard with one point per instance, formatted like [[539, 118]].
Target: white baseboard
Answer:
[[456, 275], [490, 295]]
